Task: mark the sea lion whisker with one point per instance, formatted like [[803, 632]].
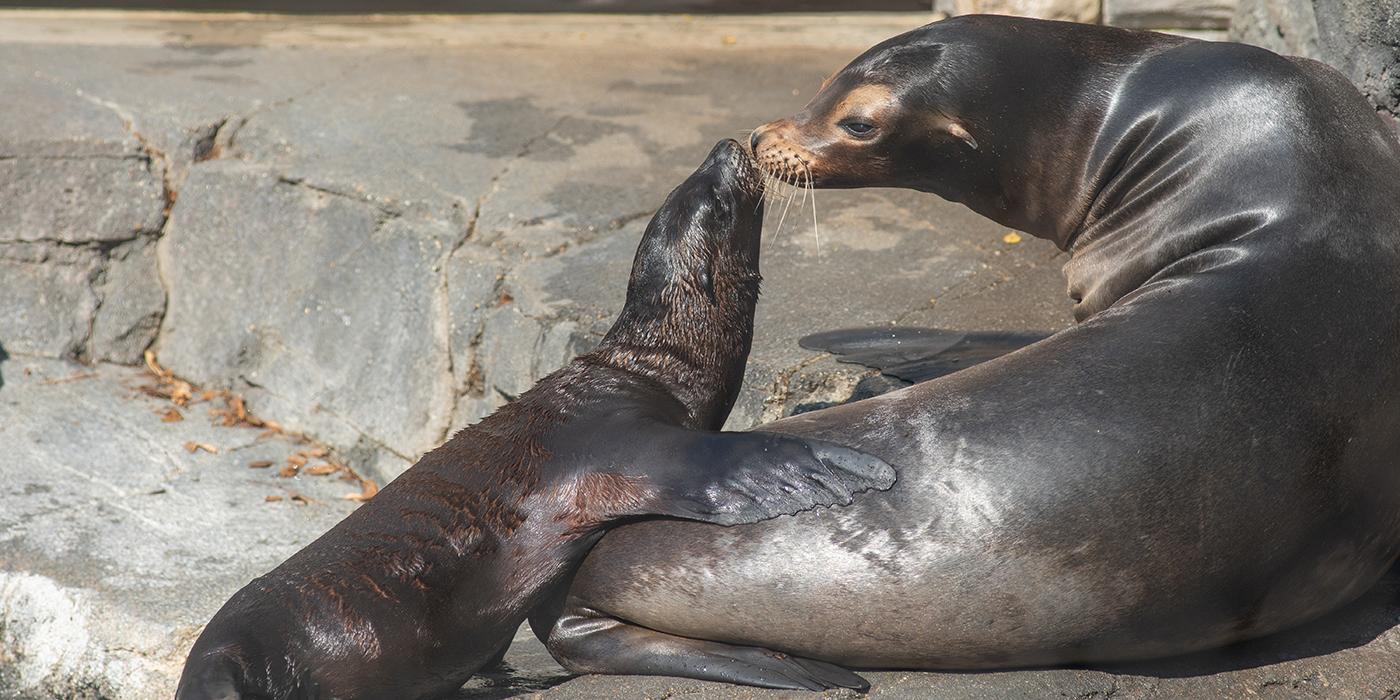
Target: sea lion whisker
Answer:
[[816, 232], [776, 232]]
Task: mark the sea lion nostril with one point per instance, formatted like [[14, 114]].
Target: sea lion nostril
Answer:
[[753, 140]]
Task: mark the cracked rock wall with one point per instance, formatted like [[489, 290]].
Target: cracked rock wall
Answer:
[[380, 247]]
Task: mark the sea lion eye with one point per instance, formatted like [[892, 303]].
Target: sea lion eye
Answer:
[[858, 129]]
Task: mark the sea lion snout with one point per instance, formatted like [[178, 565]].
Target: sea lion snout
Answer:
[[730, 165]]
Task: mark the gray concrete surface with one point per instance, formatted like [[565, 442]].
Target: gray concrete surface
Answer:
[[379, 230]]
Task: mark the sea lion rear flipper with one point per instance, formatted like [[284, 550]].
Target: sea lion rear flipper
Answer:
[[917, 354], [735, 478], [585, 641]]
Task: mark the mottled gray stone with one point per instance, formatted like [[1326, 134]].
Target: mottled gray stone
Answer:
[[131, 303], [116, 543], [473, 276], [1360, 38], [331, 310], [1169, 14], [48, 302], [1066, 10], [78, 199]]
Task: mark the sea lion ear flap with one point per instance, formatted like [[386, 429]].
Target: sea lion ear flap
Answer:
[[737, 478], [707, 282], [960, 132]]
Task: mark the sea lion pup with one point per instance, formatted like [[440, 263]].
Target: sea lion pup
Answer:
[[426, 583], [1210, 455]]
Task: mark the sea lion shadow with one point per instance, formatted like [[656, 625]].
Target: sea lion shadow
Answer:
[[1349, 627], [505, 681]]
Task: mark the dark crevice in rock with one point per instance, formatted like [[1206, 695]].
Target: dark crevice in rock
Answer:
[[207, 145]]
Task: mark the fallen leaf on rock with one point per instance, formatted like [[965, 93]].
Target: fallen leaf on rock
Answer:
[[181, 392], [1011, 238], [321, 469], [193, 447], [288, 471], [317, 452], [172, 416], [260, 464], [272, 499], [367, 491], [730, 40], [70, 378], [301, 500], [297, 459]]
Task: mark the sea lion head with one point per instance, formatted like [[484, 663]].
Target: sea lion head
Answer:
[[703, 242], [694, 285], [889, 119]]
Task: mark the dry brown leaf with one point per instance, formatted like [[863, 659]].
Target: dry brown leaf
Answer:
[[321, 469], [181, 392], [317, 452], [367, 491], [70, 378], [297, 460], [301, 500], [260, 464], [193, 447], [155, 368], [272, 499], [172, 416], [288, 471], [208, 395]]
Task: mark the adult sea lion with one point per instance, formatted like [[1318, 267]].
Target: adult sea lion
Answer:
[[427, 582], [1210, 455]]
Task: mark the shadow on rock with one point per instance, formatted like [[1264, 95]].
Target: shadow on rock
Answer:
[[1353, 626], [3, 357], [505, 681]]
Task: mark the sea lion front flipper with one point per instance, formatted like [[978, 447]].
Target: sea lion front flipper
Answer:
[[917, 354], [585, 641], [745, 477]]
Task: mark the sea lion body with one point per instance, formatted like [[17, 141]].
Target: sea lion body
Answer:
[[1211, 454], [427, 582]]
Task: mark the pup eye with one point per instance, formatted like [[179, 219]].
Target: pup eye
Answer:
[[858, 128]]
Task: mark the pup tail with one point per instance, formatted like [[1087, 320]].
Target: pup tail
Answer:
[[918, 354]]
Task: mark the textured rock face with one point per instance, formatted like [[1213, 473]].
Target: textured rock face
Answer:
[[327, 307], [116, 543], [1360, 38], [1067, 10], [83, 201], [1169, 14]]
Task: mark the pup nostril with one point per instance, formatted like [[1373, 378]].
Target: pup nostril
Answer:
[[753, 140]]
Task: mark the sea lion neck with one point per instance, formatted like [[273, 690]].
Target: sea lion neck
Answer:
[[693, 347], [984, 62]]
